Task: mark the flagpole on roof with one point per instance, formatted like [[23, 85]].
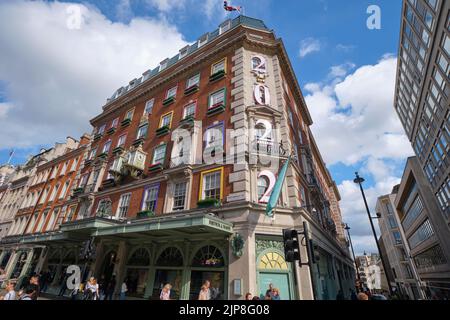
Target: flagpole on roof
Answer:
[[11, 153]]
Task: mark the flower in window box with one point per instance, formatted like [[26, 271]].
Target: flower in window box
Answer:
[[103, 155], [118, 150], [111, 130], [97, 136], [78, 191], [145, 214], [168, 101], [155, 167], [218, 75], [215, 109], [192, 89], [208, 203], [187, 121], [108, 183], [125, 122], [162, 131], [139, 141]]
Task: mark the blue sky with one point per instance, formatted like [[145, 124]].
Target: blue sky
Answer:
[[336, 75]]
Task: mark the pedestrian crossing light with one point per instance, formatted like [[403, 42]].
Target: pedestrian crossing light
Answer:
[[291, 245]]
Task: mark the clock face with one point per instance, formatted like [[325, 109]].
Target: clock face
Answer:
[[266, 182]]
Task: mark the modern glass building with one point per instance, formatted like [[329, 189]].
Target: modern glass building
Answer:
[[423, 90]]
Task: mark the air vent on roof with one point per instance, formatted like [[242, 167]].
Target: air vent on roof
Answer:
[[225, 26], [163, 64], [183, 52], [203, 40]]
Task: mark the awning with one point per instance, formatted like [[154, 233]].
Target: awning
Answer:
[[166, 227], [184, 226], [55, 238]]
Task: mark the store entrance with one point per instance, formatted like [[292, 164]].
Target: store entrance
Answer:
[[108, 266], [216, 279]]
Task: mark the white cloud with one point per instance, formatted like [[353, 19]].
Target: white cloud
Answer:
[[354, 118], [354, 212], [345, 47], [58, 78], [166, 5], [355, 124], [341, 70], [212, 9], [308, 46], [4, 107]]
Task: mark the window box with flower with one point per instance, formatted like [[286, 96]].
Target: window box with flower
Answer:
[[217, 76], [125, 122], [192, 89], [209, 203], [168, 101], [145, 214], [162, 130]]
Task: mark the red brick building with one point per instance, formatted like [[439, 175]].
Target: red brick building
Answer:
[[151, 207]]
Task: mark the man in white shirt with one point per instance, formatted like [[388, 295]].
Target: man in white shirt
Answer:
[[123, 290], [11, 294]]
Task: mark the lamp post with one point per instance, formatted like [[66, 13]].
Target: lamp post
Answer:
[[359, 180], [347, 228]]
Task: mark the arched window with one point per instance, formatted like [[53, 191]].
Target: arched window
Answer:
[[263, 185], [69, 258], [208, 256], [55, 257], [140, 257], [170, 257], [273, 261]]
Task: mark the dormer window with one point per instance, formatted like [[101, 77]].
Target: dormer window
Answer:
[[163, 65], [203, 40], [133, 83], [224, 27], [183, 52]]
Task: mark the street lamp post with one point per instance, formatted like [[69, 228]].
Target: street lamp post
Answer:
[[347, 228], [359, 180]]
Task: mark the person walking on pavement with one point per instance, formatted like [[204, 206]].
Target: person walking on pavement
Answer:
[[91, 289], [63, 288], [27, 295], [110, 287], [204, 293], [270, 291], [340, 295], [123, 290], [276, 294], [33, 287], [165, 292], [11, 294]]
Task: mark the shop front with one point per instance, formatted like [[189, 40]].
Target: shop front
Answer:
[[184, 252], [273, 270]]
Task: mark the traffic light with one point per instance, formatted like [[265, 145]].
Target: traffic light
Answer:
[[291, 245]]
